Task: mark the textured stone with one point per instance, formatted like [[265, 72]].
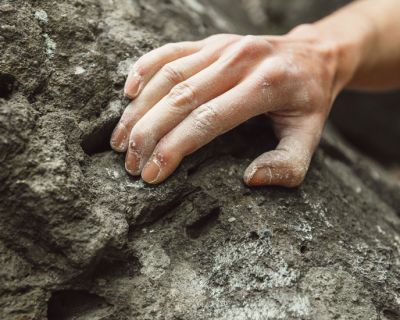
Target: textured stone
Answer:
[[81, 239]]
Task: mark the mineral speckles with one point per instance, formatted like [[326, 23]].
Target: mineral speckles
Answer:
[[50, 46], [336, 292], [41, 16], [317, 207], [283, 306], [79, 70], [6, 8], [188, 288], [153, 259], [251, 266]]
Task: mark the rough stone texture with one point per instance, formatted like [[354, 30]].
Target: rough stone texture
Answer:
[[80, 239]]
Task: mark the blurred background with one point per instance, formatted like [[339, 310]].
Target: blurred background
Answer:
[[369, 121]]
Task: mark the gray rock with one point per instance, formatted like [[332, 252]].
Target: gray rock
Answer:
[[80, 239]]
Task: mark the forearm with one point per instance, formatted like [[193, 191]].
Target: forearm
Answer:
[[366, 38]]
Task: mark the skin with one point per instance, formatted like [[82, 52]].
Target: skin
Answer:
[[186, 94]]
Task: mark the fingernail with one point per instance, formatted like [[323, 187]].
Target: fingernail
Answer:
[[119, 137], [259, 176], [132, 159], [132, 85], [152, 170]]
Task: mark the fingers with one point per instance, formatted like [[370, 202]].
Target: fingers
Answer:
[[201, 126], [149, 64], [175, 107], [169, 75], [285, 166], [221, 76], [162, 82]]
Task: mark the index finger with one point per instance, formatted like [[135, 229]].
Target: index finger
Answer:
[[149, 64]]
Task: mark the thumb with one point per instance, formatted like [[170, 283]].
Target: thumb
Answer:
[[285, 166]]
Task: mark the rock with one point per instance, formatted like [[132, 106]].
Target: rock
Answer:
[[80, 239]]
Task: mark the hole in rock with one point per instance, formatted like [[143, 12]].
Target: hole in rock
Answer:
[[7, 85], [303, 249], [204, 224], [77, 304], [117, 267], [118, 86], [390, 315], [161, 209], [98, 140], [253, 235]]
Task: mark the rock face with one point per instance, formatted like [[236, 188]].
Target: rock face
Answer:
[[80, 239]]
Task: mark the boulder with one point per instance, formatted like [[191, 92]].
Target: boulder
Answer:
[[81, 239]]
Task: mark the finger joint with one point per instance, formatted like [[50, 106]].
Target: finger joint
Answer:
[[206, 118], [182, 95], [172, 74]]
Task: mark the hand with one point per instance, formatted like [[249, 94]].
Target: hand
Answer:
[[186, 94]]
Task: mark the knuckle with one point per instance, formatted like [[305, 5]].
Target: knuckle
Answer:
[[139, 133], [129, 118], [163, 150], [138, 68], [267, 85], [182, 94], [252, 44], [249, 40], [206, 118], [172, 73], [273, 75], [247, 46], [126, 119]]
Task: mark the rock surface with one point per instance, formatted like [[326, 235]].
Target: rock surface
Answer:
[[80, 239]]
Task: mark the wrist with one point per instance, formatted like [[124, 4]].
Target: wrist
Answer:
[[352, 36], [337, 60]]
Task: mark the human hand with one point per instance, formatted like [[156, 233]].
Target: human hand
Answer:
[[186, 94]]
